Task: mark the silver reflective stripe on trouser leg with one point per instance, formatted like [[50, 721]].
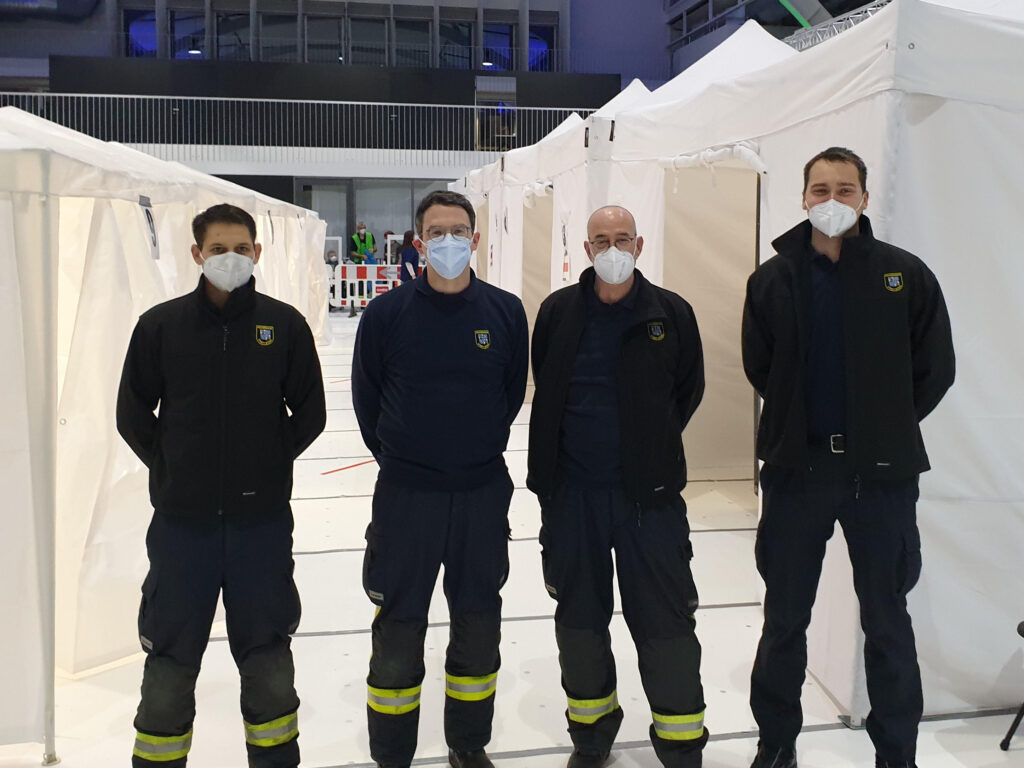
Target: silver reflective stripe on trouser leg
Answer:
[[393, 701], [679, 727], [589, 711], [470, 688], [161, 749], [278, 731]]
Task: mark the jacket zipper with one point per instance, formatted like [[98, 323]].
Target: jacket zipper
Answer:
[[223, 414]]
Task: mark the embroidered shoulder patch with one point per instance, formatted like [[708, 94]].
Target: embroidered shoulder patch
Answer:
[[264, 335], [893, 281], [483, 339], [656, 331]]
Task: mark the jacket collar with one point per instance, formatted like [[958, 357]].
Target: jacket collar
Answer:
[[469, 294], [239, 300], [645, 303], [798, 239]]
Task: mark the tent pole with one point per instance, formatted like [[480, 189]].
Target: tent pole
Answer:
[[49, 504]]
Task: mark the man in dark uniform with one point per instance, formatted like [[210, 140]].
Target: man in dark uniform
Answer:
[[619, 372], [438, 375], [848, 341], [237, 381]]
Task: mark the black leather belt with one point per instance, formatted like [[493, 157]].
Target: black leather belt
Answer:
[[830, 443]]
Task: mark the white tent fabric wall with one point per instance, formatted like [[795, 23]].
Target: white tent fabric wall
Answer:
[[873, 88], [83, 256], [25, 549]]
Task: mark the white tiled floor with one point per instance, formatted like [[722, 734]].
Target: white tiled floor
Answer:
[[94, 714]]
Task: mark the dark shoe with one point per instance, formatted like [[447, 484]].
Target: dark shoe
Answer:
[[580, 759], [880, 763], [770, 757], [476, 759]]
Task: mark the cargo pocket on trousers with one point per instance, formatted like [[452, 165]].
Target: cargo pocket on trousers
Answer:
[[371, 579], [910, 566], [507, 566], [692, 597], [146, 621]]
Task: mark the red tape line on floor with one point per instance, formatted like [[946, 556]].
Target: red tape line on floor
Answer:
[[350, 466]]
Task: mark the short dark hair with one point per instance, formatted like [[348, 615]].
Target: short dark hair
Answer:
[[225, 213], [839, 155], [444, 197]]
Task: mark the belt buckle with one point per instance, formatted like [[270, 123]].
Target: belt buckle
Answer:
[[837, 443]]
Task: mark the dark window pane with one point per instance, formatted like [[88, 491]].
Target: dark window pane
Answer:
[[542, 48], [324, 39], [697, 16], [140, 33], [412, 43], [456, 45], [499, 47], [188, 30], [369, 42], [233, 36], [277, 38], [719, 7]]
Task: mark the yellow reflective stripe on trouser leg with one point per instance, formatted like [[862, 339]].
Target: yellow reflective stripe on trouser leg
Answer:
[[589, 711], [679, 727], [393, 701], [161, 749], [273, 733], [470, 688]]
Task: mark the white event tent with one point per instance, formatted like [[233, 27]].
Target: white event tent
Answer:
[[923, 91], [91, 235]]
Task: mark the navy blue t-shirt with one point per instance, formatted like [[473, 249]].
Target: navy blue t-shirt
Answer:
[[589, 450], [437, 380], [826, 363]]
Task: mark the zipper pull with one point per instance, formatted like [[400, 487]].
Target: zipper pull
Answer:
[[639, 513], [856, 486], [225, 339]]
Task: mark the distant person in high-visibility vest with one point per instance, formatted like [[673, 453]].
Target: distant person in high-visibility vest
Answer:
[[363, 245]]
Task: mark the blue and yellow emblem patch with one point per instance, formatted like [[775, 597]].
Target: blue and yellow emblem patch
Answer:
[[483, 339], [893, 281], [264, 335], [656, 331]]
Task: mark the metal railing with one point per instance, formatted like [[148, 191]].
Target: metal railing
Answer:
[[165, 120]]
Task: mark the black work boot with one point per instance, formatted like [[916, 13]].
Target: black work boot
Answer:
[[476, 759], [772, 757], [580, 759], [880, 763]]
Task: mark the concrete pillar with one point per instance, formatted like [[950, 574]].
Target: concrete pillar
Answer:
[[209, 23], [565, 37], [435, 48], [163, 32], [254, 52], [478, 37], [524, 36], [112, 21]]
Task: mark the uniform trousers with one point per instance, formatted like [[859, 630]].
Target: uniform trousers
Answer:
[[412, 534], [581, 527], [800, 509], [193, 561]]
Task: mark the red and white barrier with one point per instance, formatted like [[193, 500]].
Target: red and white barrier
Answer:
[[360, 282]]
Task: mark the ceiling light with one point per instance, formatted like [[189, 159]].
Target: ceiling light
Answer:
[[195, 52], [488, 63]]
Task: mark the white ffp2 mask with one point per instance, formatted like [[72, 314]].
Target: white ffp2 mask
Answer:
[[833, 218], [614, 266], [228, 271]]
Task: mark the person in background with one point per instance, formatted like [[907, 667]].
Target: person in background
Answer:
[[236, 381], [331, 258], [409, 257], [362, 245]]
